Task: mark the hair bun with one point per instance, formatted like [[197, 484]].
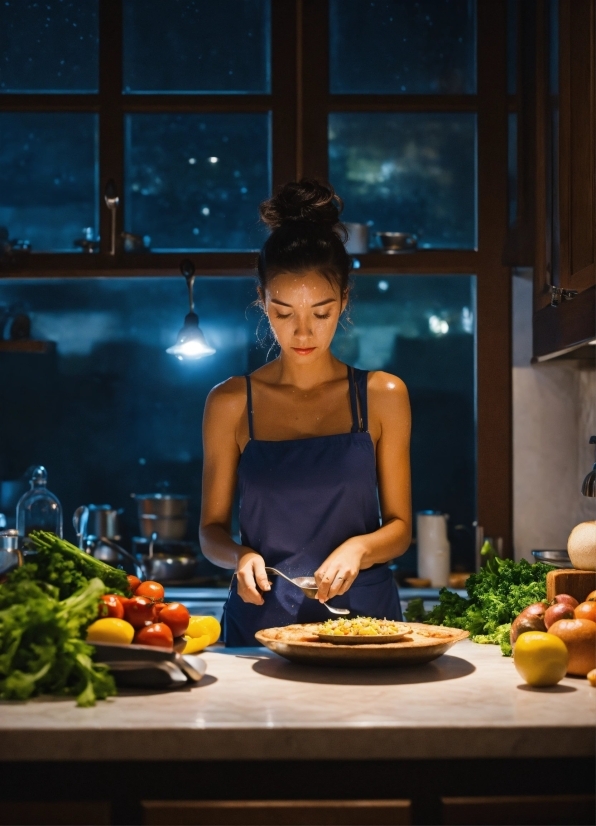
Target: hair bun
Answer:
[[304, 200]]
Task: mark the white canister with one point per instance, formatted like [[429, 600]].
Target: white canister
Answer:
[[434, 550]]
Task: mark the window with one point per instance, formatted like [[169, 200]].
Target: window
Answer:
[[191, 117]]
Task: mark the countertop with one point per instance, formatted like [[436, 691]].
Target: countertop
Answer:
[[254, 705]]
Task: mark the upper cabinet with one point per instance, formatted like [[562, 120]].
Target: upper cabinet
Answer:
[[565, 252]]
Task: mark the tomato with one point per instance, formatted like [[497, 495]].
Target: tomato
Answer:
[[150, 589], [591, 597], [157, 634], [586, 610], [176, 616], [159, 606], [133, 582], [110, 606], [139, 611]]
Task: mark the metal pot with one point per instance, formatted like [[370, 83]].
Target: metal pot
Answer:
[[10, 551], [167, 568], [161, 504], [174, 527], [96, 520]]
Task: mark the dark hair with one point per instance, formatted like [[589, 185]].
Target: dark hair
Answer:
[[306, 233]]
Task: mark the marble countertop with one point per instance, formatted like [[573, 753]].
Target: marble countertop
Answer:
[[254, 705]]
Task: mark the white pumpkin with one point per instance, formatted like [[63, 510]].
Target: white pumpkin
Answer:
[[581, 546]]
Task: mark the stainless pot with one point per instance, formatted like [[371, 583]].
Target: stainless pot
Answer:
[[96, 521], [174, 527], [167, 568], [10, 551], [161, 504]]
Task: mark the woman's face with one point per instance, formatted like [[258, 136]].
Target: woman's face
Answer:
[[303, 310]]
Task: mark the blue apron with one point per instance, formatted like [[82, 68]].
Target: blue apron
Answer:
[[299, 500]]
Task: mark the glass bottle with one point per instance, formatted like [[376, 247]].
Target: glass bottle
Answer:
[[38, 509]]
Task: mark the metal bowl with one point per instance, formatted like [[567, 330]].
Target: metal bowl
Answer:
[[161, 504], [168, 567], [560, 559], [393, 242]]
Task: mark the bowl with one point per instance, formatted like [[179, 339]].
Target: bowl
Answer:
[[560, 559], [393, 242]]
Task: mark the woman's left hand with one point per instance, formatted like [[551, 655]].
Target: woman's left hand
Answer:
[[338, 572]]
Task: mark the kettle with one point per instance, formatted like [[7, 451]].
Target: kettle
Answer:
[[434, 550]]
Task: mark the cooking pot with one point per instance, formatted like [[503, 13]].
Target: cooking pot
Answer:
[[164, 567], [166, 527], [161, 504]]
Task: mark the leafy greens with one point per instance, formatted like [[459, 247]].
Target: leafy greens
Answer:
[[496, 595]]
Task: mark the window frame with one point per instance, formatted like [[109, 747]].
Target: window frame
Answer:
[[299, 104]]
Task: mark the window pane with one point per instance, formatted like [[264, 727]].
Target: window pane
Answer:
[[202, 46], [422, 329], [401, 47], [110, 376], [195, 181], [49, 46], [48, 178], [408, 173]]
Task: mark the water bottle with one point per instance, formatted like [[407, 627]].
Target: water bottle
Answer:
[[39, 509]]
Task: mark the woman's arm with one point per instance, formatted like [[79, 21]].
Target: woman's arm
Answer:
[[225, 406], [390, 425]]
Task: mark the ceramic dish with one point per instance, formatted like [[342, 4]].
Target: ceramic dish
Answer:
[[362, 639], [301, 644]]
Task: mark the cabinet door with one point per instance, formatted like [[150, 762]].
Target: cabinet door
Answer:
[[577, 144]]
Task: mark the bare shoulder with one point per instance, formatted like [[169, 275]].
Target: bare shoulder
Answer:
[[227, 399], [389, 404], [386, 388]]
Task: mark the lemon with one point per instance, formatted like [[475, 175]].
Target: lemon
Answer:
[[110, 630], [540, 658], [196, 644], [198, 626]]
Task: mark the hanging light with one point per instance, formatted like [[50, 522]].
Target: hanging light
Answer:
[[190, 344]]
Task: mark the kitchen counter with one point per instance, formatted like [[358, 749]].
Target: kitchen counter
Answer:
[[253, 705]]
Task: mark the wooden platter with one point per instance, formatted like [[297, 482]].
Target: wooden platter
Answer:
[[300, 644]]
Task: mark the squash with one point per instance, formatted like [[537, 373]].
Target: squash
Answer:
[[581, 546]]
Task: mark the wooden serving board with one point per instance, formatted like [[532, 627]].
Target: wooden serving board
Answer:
[[577, 584]]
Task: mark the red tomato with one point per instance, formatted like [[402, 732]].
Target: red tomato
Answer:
[[176, 616], [585, 610], [133, 582], [159, 606], [110, 606], [157, 634], [123, 600], [139, 612], [150, 589]]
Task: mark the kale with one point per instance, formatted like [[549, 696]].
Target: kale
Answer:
[[42, 645], [496, 595]]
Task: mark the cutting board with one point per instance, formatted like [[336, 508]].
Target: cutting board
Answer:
[[577, 584]]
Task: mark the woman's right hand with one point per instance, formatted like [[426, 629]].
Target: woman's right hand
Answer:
[[251, 573]]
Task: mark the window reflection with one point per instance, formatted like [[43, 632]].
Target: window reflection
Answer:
[[408, 172], [48, 178], [109, 413]]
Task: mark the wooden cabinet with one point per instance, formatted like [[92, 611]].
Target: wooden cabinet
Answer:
[[565, 257]]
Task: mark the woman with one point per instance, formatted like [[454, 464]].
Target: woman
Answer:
[[309, 441]]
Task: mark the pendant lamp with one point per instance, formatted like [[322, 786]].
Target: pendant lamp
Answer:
[[190, 344]]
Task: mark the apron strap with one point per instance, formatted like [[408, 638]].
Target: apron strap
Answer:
[[249, 407], [362, 388], [353, 401]]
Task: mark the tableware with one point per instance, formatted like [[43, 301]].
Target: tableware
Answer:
[[147, 666], [300, 644], [364, 639], [395, 242], [308, 586]]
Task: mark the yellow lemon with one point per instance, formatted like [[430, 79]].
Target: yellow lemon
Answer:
[[195, 644], [204, 625], [540, 658], [111, 630]]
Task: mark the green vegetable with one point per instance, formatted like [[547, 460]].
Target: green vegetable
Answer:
[[42, 647], [63, 565], [496, 595]]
